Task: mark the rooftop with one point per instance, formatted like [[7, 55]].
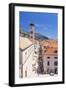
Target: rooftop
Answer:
[[49, 47], [50, 50], [35, 41], [24, 42]]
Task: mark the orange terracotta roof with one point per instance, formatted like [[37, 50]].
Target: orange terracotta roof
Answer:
[[50, 50], [50, 43], [49, 47]]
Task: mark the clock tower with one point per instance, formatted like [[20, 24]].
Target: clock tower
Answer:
[[32, 32]]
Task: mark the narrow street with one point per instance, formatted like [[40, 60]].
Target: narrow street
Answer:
[[38, 65], [40, 69]]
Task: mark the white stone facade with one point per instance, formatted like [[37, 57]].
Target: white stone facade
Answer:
[[50, 64]]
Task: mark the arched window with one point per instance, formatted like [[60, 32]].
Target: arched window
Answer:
[[55, 51], [56, 71], [55, 63], [25, 73], [48, 57], [48, 63], [56, 57]]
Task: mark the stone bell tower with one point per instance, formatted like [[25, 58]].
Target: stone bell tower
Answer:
[[32, 32]]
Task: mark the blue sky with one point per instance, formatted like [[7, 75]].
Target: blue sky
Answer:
[[45, 23]]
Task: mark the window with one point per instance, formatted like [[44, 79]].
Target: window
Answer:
[[40, 58], [48, 63], [55, 51], [25, 73], [44, 46], [48, 71], [44, 50], [35, 52], [31, 37], [55, 63], [56, 57], [31, 32], [56, 71], [48, 57]]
